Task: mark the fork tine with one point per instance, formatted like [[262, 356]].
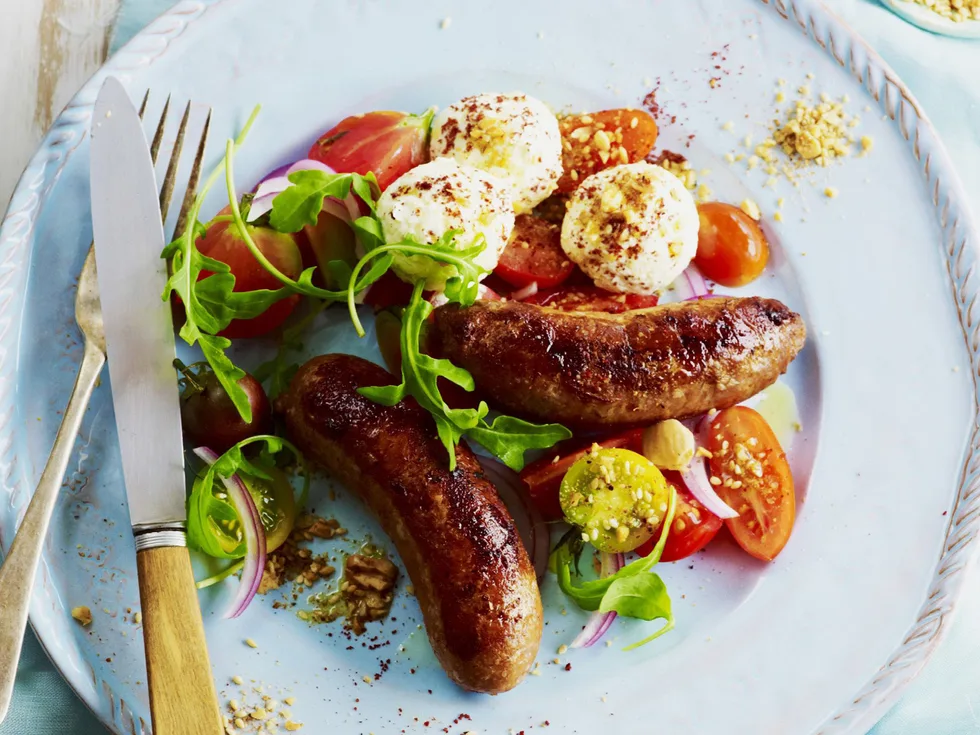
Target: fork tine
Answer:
[[191, 191], [167, 190], [158, 135]]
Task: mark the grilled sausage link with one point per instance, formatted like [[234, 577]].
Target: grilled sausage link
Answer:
[[472, 576], [588, 369]]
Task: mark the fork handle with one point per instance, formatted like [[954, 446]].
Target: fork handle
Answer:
[[182, 695], [17, 572]]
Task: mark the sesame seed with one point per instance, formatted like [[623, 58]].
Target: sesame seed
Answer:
[[250, 643], [367, 679], [237, 680]]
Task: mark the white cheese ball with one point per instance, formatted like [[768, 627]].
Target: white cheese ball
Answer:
[[631, 228], [428, 201], [512, 136]]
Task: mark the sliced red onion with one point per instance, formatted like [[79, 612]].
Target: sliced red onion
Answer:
[[252, 529], [598, 622], [308, 164], [278, 181], [526, 292], [272, 186], [530, 523], [699, 287], [696, 479]]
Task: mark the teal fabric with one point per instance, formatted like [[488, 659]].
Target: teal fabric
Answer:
[[944, 74]]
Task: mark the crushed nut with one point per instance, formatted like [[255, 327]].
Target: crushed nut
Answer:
[[82, 614], [369, 590], [751, 208]]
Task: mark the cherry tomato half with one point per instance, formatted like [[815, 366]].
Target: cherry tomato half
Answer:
[[534, 255], [543, 476], [755, 480], [386, 143], [732, 249], [693, 527], [590, 298], [600, 140], [223, 242]]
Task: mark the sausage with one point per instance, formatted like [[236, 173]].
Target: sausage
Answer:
[[593, 370], [472, 576]]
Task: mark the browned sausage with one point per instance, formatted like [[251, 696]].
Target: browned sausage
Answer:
[[592, 370], [474, 582]]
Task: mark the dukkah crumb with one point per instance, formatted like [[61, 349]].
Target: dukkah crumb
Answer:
[[955, 10], [368, 588], [819, 133], [682, 169], [751, 208], [82, 614], [292, 562], [255, 711]]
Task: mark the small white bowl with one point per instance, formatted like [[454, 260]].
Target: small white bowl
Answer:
[[923, 17]]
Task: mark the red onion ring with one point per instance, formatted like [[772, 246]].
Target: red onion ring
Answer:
[[252, 529], [530, 523], [599, 622], [277, 181], [696, 479], [526, 292], [308, 164]]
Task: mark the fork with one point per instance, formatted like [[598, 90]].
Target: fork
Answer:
[[18, 571]]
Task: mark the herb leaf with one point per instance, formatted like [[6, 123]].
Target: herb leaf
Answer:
[[632, 592], [300, 204], [508, 438]]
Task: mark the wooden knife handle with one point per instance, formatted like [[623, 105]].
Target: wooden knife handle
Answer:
[[182, 695]]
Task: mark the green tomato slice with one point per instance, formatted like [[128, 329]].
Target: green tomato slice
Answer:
[[276, 504], [617, 497]]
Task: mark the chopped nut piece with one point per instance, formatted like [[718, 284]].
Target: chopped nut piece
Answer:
[[250, 643], [830, 192], [369, 591], [82, 614], [751, 208], [293, 726]]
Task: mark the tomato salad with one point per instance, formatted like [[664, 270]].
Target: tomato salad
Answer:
[[494, 198]]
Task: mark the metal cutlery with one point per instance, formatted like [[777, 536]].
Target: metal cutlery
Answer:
[[181, 687]]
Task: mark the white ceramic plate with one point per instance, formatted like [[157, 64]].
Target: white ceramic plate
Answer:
[[821, 640]]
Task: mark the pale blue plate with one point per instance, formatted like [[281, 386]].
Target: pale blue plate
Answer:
[[821, 640]]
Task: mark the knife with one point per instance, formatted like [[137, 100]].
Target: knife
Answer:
[[139, 335]]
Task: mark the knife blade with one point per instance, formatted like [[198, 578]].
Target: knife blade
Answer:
[[139, 337], [138, 323]]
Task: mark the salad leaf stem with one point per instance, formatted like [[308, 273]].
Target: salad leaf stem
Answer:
[[632, 592], [223, 574]]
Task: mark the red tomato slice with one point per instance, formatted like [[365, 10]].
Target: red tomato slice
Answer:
[[222, 242], [693, 527], [384, 142], [590, 298], [534, 255], [543, 476], [755, 480]]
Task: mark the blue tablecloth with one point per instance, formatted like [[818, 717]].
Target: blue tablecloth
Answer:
[[944, 74]]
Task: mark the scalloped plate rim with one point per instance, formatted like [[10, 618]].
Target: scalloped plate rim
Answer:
[[874, 699]]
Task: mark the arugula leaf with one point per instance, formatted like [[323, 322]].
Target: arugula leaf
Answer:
[[632, 592], [508, 438], [209, 516], [300, 204]]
